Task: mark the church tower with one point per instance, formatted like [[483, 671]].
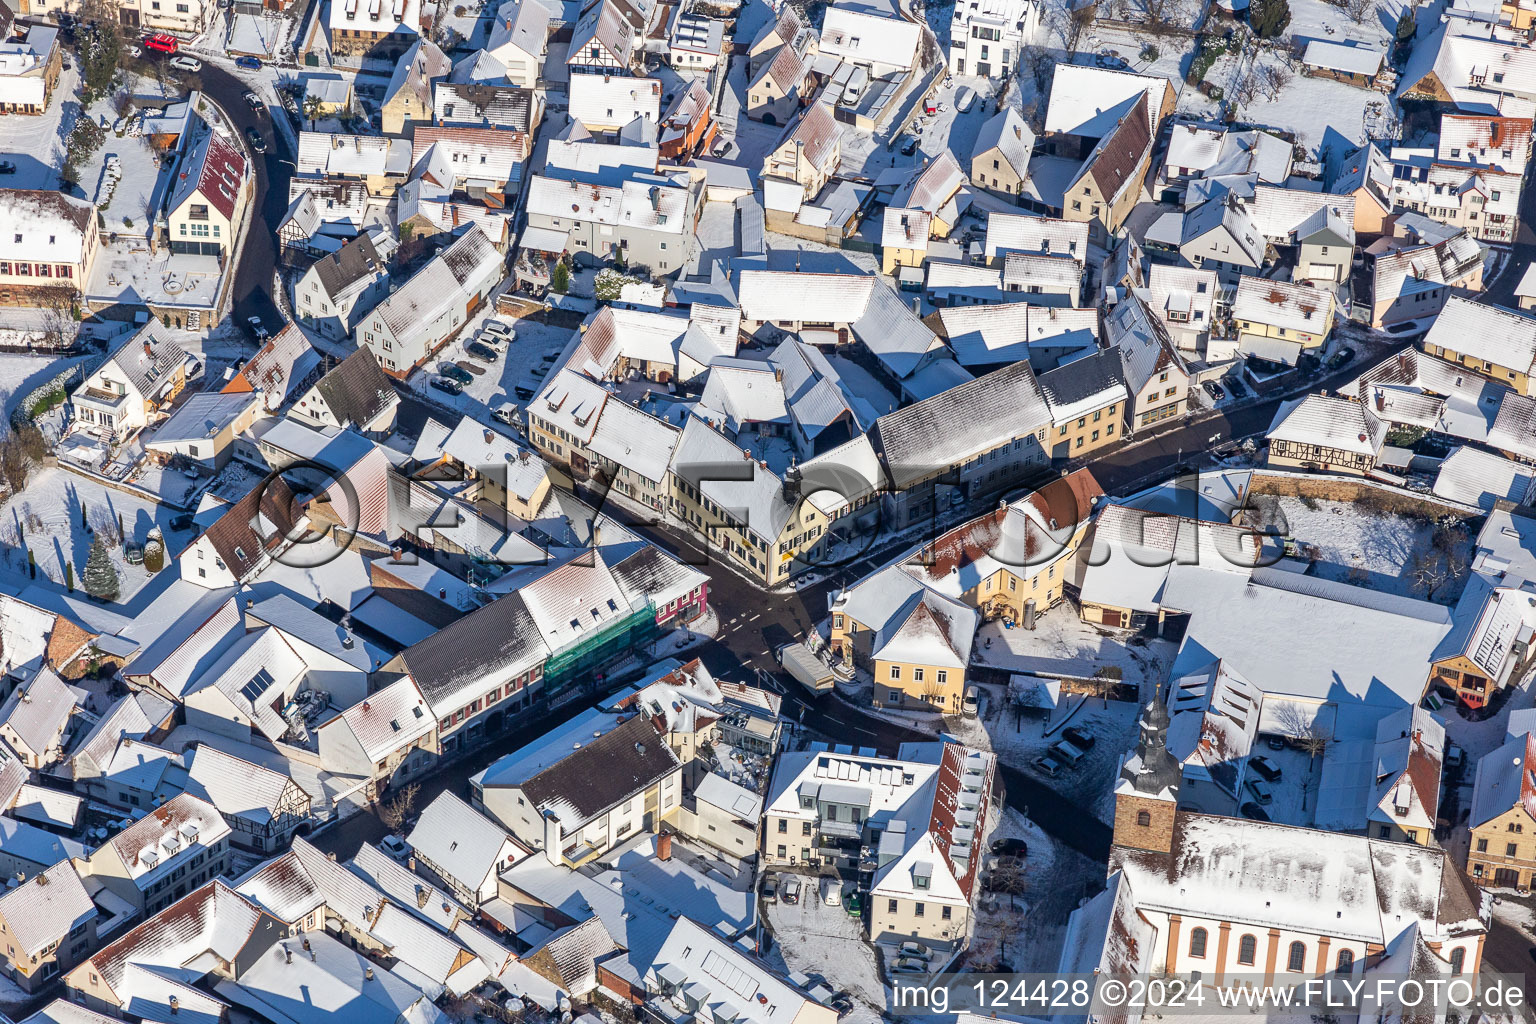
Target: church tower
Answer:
[[1147, 793]]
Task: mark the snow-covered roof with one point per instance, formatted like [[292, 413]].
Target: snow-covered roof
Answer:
[[462, 843], [372, 17], [637, 441], [1346, 57], [388, 720], [1504, 781], [1007, 133], [1039, 236], [322, 154], [39, 846], [1260, 874], [520, 24], [729, 983], [867, 38], [1328, 422], [644, 201], [38, 710], [930, 629], [1474, 477], [167, 835], [1393, 777], [605, 103], [341, 986], [408, 889], [988, 335], [1090, 101], [1485, 332], [1282, 304], [45, 226], [238, 788], [45, 908]]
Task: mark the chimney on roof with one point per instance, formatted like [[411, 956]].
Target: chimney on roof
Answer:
[[175, 1005], [149, 350], [347, 643], [366, 706], [664, 846], [368, 973], [488, 435], [287, 955]]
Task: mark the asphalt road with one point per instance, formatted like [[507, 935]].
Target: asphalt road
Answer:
[[252, 291], [1506, 951]]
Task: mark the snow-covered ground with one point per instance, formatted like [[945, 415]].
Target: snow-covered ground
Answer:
[[21, 372], [36, 144], [47, 518], [1063, 644], [1024, 932], [813, 938], [1371, 548], [496, 386], [1018, 740]]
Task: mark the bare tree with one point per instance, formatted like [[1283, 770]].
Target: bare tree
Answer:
[[1036, 61], [59, 316], [1358, 9], [1246, 87], [1009, 878], [397, 810]]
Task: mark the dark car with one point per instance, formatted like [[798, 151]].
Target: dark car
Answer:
[[910, 146], [249, 63], [451, 387], [1340, 358], [1264, 768], [1236, 387], [183, 522], [6, 167], [481, 351], [842, 1002], [1252, 811], [1082, 739], [1214, 390], [455, 372], [1010, 847], [258, 143]]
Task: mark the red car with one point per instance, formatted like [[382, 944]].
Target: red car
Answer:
[[163, 42]]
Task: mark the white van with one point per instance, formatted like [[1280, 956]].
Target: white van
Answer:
[[969, 704]]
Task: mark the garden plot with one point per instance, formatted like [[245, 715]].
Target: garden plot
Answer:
[[59, 514], [1390, 552]]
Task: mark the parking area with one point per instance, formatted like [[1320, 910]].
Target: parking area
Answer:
[[814, 938]]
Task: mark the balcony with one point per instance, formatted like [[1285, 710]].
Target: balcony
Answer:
[[107, 401], [841, 829]]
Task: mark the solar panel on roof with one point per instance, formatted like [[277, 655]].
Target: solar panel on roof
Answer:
[[258, 685]]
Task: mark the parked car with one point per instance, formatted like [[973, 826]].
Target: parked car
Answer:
[[258, 143], [497, 327], [249, 63], [834, 893], [162, 42], [481, 351], [191, 65], [842, 1002], [1262, 794], [134, 51], [1455, 757], [789, 889], [1080, 738], [1214, 390], [6, 167], [1264, 768], [970, 704], [394, 846], [964, 98], [771, 889], [910, 965], [1067, 753], [1236, 387], [854, 904], [506, 414], [1275, 743], [1048, 766], [1010, 847], [1252, 811], [455, 372], [910, 146], [448, 385], [915, 949], [253, 101], [258, 330]]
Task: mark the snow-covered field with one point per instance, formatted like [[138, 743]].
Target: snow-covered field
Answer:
[[1370, 548], [46, 517], [1062, 643]]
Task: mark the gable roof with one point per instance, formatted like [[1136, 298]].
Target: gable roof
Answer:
[[1115, 161], [45, 908], [255, 525], [1089, 101], [1487, 332], [38, 710], [356, 389], [215, 170], [238, 788], [600, 774], [283, 363], [1007, 133], [464, 844]]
